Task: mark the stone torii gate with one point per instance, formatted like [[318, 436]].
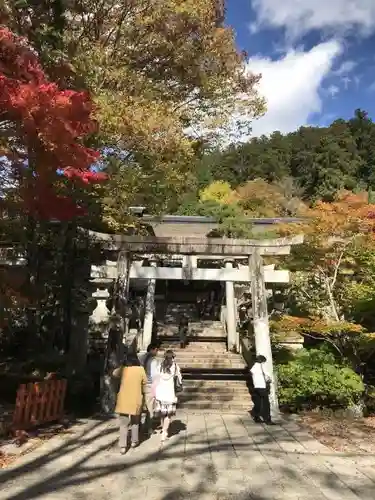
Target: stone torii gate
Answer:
[[190, 271], [192, 248]]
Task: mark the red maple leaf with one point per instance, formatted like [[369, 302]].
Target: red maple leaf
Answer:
[[49, 126]]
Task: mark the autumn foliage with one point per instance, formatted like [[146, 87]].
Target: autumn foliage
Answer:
[[349, 215], [45, 127]]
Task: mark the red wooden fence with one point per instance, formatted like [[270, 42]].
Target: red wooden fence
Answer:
[[39, 403]]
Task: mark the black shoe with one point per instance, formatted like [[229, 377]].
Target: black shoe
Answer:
[[257, 420]]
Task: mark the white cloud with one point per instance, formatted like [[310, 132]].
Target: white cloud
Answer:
[[357, 80], [291, 86], [346, 81], [333, 90], [299, 17], [345, 68]]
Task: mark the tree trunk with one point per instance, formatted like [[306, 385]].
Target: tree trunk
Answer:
[[32, 250], [77, 315], [68, 269], [110, 385]]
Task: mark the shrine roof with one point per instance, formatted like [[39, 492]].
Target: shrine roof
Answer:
[[188, 225]]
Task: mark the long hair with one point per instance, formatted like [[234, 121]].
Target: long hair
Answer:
[[132, 360], [167, 362], [260, 359]]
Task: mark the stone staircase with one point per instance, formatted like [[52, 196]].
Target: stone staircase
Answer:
[[226, 396], [200, 330], [214, 380], [204, 330]]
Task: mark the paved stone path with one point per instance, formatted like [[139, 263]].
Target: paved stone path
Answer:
[[209, 457]]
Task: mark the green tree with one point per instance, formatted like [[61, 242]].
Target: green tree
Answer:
[[154, 70], [363, 131], [262, 157], [325, 160]]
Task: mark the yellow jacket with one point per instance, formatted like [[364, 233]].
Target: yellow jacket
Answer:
[[132, 389]]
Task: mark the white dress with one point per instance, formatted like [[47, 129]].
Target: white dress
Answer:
[[165, 395]]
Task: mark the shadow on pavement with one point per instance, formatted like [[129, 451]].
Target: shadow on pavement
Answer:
[[176, 427], [190, 466]]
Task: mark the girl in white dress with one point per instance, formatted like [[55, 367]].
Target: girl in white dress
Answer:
[[165, 391]]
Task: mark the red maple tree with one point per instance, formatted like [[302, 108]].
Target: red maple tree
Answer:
[[43, 128]]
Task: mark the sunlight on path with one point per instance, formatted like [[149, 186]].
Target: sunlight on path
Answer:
[[209, 457]]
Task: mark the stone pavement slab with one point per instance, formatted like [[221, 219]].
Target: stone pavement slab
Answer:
[[208, 457]]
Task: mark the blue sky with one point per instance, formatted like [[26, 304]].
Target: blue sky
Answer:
[[317, 58]]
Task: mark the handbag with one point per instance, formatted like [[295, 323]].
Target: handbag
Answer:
[[268, 382], [177, 384]]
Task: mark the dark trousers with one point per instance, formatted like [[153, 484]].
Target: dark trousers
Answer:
[[261, 402], [183, 334]]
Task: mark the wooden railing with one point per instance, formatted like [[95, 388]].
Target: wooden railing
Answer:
[[39, 403]]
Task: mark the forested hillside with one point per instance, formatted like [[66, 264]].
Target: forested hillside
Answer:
[[280, 174]]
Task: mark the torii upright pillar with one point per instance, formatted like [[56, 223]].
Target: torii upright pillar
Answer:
[[231, 311], [260, 322], [149, 311]]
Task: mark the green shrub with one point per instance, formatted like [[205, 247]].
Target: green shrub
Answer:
[[315, 379], [370, 400]]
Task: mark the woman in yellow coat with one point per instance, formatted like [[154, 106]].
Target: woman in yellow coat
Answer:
[[130, 400]]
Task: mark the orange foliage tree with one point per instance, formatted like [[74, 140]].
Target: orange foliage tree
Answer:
[[259, 198], [334, 232], [328, 269]]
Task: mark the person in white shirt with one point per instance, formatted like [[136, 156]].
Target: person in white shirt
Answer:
[[167, 384], [151, 366], [261, 390]]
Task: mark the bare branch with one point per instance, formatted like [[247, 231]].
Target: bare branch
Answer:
[[326, 339]]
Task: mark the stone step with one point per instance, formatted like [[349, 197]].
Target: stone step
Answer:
[[174, 343], [228, 397], [178, 309], [217, 365], [211, 396], [200, 345], [192, 366], [205, 323], [218, 347], [216, 392], [179, 306], [193, 351], [208, 332], [211, 407], [192, 358], [209, 359], [219, 334], [175, 340], [215, 384], [213, 392], [197, 345], [198, 353], [195, 325], [215, 374]]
